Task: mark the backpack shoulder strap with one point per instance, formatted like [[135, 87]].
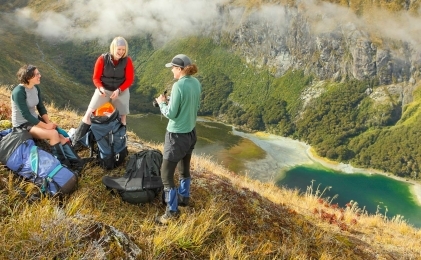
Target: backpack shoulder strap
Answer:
[[149, 165], [130, 166], [50, 177], [54, 172], [157, 161], [34, 159]]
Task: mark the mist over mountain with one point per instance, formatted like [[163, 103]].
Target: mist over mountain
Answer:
[[90, 20], [283, 36], [327, 39], [166, 20]]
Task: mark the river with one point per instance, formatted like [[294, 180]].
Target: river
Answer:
[[289, 163]]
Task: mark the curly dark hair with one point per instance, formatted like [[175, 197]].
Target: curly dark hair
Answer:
[[25, 73]]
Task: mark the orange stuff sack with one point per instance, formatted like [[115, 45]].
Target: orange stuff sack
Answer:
[[104, 110]]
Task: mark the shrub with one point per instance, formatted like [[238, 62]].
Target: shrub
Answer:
[[5, 110]]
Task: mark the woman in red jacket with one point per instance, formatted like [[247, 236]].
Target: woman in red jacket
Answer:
[[113, 76]]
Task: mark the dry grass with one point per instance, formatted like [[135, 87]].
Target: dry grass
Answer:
[[232, 217]]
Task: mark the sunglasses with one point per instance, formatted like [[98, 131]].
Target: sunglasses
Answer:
[[30, 67]]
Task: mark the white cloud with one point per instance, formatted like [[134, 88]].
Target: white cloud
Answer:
[[84, 19], [166, 19], [53, 24]]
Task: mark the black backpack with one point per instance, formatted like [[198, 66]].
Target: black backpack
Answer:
[[142, 181]]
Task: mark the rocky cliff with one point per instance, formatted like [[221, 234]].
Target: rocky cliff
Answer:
[[333, 45]]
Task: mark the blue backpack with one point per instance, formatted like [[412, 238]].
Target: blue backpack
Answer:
[[20, 154], [5, 132], [107, 139]]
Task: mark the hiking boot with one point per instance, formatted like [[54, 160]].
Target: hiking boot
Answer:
[[183, 201], [167, 217], [57, 151], [77, 165], [78, 147]]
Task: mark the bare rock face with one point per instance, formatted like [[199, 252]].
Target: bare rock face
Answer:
[[105, 240], [364, 59], [345, 51]]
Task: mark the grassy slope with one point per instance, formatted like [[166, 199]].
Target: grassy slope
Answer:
[[232, 218]]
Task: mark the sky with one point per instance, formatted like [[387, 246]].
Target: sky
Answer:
[[167, 19]]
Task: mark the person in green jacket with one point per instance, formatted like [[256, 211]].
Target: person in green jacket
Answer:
[[180, 136], [29, 113]]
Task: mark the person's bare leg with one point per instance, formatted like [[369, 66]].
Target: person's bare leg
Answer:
[[63, 139], [40, 133], [87, 117], [123, 119]]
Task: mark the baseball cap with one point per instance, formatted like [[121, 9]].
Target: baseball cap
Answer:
[[179, 60]]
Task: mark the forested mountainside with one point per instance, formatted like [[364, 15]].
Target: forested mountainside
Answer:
[[340, 75]]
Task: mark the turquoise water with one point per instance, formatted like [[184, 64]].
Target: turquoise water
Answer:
[[374, 193], [212, 136], [215, 140]]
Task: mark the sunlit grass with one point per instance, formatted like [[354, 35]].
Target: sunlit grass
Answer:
[[232, 217]]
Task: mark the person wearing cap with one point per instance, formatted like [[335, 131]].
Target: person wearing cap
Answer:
[[113, 76], [30, 114], [180, 136]]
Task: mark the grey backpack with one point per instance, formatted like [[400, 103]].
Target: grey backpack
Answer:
[[142, 181]]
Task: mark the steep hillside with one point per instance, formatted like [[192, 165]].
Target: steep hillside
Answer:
[[232, 217], [61, 86], [350, 121]]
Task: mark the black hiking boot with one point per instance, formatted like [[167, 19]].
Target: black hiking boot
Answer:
[[57, 151], [76, 163]]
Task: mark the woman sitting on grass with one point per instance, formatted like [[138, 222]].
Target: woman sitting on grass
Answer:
[[26, 101]]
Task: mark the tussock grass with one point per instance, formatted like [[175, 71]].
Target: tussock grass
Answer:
[[232, 217]]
